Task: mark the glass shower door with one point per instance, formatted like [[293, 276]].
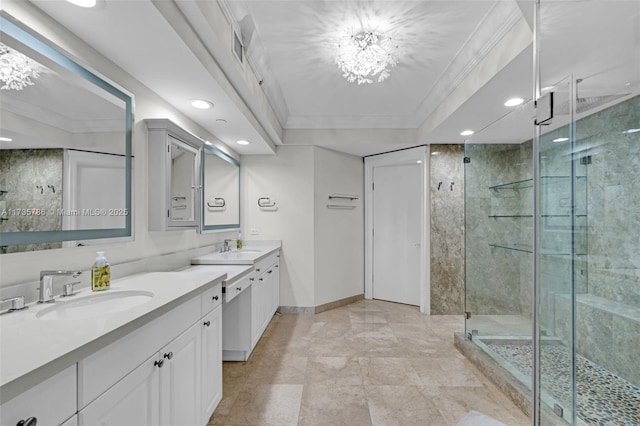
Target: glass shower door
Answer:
[[588, 215]]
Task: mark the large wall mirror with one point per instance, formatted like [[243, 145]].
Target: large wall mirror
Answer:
[[65, 148], [220, 190]]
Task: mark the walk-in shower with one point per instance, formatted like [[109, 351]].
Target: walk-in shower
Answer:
[[588, 263]]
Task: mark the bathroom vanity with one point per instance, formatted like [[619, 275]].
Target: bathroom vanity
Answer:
[[250, 299], [148, 351]]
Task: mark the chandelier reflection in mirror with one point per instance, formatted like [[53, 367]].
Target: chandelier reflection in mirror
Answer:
[[365, 55], [16, 69]]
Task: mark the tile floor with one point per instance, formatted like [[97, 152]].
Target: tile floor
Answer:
[[368, 363]]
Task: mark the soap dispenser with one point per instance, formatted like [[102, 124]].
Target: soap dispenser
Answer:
[[100, 273], [239, 242]]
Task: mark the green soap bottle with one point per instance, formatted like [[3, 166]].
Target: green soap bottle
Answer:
[[100, 273], [239, 242]]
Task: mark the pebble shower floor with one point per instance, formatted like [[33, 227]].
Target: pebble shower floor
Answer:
[[603, 398]]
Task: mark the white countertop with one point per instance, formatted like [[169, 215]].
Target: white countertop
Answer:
[[248, 255], [32, 349], [233, 271]]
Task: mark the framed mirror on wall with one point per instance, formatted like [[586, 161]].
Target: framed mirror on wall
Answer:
[[65, 147], [220, 191]]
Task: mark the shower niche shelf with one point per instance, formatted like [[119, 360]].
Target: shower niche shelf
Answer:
[[526, 248], [528, 183]]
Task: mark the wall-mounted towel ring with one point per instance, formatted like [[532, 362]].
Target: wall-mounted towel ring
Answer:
[[52, 188], [343, 197], [451, 186], [266, 202], [217, 202], [40, 188]]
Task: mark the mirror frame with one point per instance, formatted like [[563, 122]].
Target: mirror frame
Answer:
[[20, 32], [210, 149]]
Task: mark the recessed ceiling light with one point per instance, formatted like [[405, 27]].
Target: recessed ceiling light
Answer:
[[3, 139], [83, 3], [560, 139], [243, 142], [419, 161], [627, 132], [467, 132], [208, 143], [201, 104], [514, 102]]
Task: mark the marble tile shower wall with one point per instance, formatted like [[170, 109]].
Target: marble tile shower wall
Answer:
[[32, 179], [447, 229], [498, 279], [608, 279], [613, 201]]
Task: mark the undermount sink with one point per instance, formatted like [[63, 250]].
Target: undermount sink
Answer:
[[248, 251], [95, 305]]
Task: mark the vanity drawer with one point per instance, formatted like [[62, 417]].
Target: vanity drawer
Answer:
[[264, 264], [211, 299], [233, 289], [51, 402]]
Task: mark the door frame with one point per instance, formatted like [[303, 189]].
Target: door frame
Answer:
[[406, 156]]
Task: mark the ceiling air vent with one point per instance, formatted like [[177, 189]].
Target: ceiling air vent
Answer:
[[238, 49]]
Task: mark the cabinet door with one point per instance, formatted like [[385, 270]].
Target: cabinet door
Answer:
[[257, 309], [183, 163], [180, 384], [211, 362], [132, 401], [267, 310]]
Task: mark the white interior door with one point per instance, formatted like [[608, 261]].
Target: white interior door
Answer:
[[397, 232]]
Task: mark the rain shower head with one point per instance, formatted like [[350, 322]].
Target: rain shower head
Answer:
[[584, 104]]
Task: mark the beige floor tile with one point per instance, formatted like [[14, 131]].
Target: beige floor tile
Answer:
[[367, 316], [401, 405], [334, 405], [454, 403], [446, 372], [342, 371], [266, 405], [388, 371], [276, 369], [371, 362]]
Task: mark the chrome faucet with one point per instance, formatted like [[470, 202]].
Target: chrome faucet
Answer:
[[225, 248], [46, 283]]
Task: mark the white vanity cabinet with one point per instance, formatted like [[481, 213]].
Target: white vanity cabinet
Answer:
[[51, 402], [178, 384], [265, 295], [174, 176]]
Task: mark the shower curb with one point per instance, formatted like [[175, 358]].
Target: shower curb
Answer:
[[518, 393]]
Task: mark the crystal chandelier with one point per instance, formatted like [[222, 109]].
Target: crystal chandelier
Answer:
[[364, 55], [16, 70]]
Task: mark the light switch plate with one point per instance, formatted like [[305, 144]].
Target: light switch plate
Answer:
[[254, 231]]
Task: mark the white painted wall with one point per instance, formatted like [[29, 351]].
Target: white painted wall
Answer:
[[322, 250], [339, 233], [287, 178], [21, 267]]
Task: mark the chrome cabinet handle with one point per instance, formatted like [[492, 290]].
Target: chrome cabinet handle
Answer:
[[252, 279], [159, 363], [215, 297], [168, 355], [270, 271], [260, 279], [31, 421], [238, 288], [207, 323], [257, 269], [277, 266]]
